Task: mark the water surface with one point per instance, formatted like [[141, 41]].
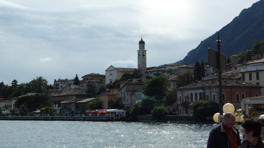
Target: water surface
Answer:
[[74, 134]]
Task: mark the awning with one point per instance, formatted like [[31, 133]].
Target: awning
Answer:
[[102, 112], [77, 111], [91, 112], [69, 111]]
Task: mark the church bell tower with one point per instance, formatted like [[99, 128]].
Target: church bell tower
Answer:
[[142, 58]]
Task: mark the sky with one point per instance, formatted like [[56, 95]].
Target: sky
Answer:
[[61, 38]]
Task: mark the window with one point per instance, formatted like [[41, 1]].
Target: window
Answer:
[[243, 96], [196, 96], [257, 95], [102, 98], [106, 104], [257, 75], [106, 97], [191, 97], [223, 97], [243, 77], [250, 76], [214, 97], [180, 98], [207, 97], [257, 83], [110, 74], [237, 97]]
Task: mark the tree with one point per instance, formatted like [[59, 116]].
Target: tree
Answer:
[[204, 108], [83, 109], [38, 85], [197, 71], [202, 73], [34, 102], [76, 80], [23, 111], [14, 83], [113, 103], [101, 89], [158, 113], [157, 88], [228, 60], [184, 79], [171, 98], [147, 106], [95, 104], [91, 90], [126, 76]]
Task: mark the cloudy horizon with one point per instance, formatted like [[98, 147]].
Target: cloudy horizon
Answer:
[[62, 38]]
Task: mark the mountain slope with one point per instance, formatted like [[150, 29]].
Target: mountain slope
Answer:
[[238, 35]]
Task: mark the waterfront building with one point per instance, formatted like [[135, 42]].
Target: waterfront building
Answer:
[[60, 83], [105, 97], [253, 106], [66, 100], [128, 90], [233, 91], [114, 73], [96, 79]]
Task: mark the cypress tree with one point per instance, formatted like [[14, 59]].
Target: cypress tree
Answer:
[[197, 71], [76, 80], [202, 70]]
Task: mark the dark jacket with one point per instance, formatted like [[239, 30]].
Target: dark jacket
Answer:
[[246, 144], [219, 139]]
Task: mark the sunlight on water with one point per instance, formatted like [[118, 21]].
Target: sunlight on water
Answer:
[[74, 134]]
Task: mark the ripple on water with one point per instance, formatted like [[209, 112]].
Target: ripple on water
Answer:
[[68, 134]]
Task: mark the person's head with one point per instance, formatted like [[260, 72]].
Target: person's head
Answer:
[[229, 120], [251, 128], [262, 125]]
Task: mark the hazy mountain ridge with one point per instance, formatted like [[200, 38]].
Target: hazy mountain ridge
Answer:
[[236, 36]]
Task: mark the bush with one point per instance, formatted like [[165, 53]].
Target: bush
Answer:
[[95, 104], [204, 108], [131, 114], [158, 113], [147, 106]]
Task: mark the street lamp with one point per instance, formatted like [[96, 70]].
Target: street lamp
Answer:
[[228, 107]]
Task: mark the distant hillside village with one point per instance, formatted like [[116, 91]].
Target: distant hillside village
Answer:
[[121, 88]]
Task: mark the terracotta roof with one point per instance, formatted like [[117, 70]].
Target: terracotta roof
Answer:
[[93, 74], [67, 93], [126, 69], [67, 101], [214, 83], [172, 77], [86, 100], [255, 61], [157, 69]]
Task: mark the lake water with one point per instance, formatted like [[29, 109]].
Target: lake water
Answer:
[[75, 134]]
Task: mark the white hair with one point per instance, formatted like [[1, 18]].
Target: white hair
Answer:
[[261, 116]]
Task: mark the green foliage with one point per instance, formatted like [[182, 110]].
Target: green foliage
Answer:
[[184, 79], [91, 90], [158, 113], [147, 106], [14, 83], [171, 98], [157, 88], [101, 89], [34, 102], [113, 103], [131, 114], [47, 110], [202, 73], [197, 71], [114, 85], [228, 60], [13, 112], [95, 104], [204, 108], [83, 109], [23, 111], [64, 111], [76, 80], [38, 85]]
